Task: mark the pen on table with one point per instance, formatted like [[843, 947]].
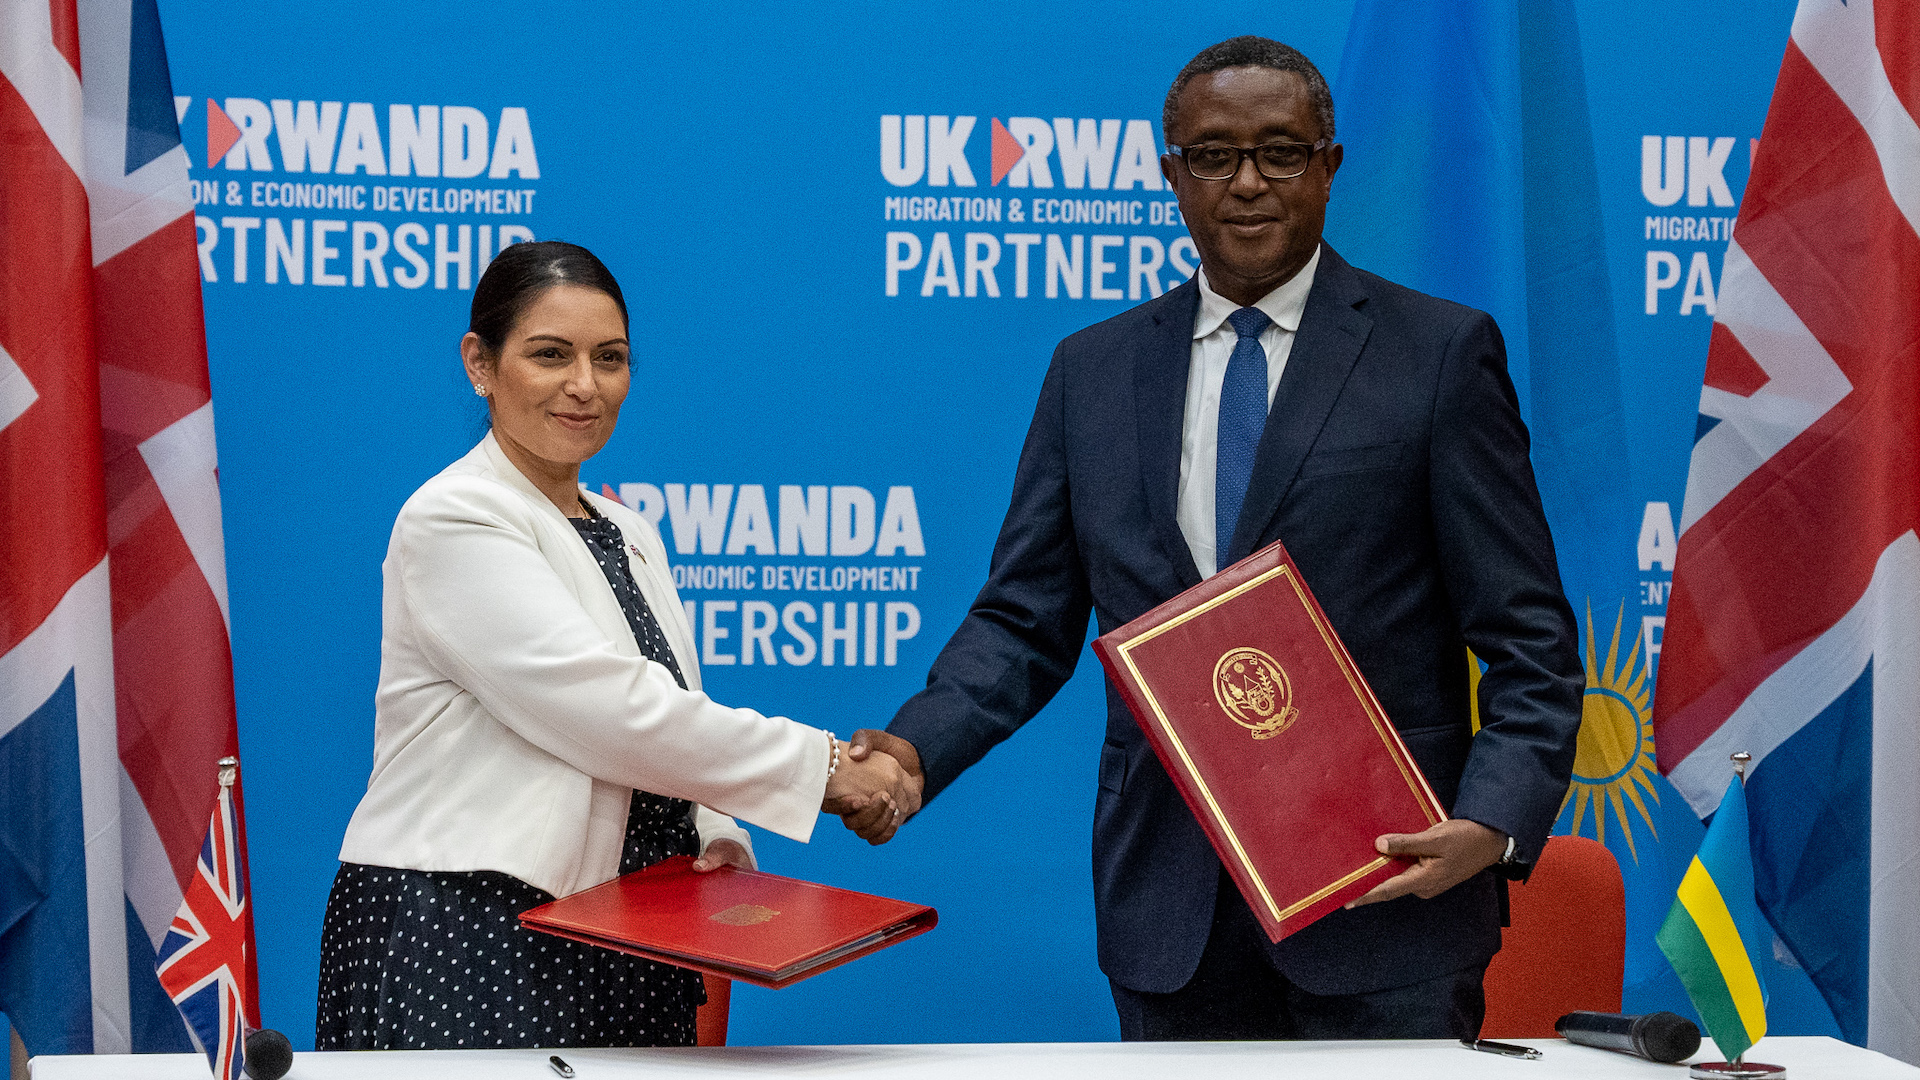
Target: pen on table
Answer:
[[559, 1066], [1488, 1046]]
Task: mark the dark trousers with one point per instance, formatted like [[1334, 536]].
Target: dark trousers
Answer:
[[1236, 993]]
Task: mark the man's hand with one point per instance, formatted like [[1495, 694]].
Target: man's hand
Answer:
[[876, 823], [723, 853], [871, 784], [1448, 853]]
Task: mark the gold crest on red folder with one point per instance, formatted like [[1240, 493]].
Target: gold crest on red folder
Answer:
[[1253, 690], [744, 915]]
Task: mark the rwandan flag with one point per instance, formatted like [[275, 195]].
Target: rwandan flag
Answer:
[[1477, 181], [1715, 930]]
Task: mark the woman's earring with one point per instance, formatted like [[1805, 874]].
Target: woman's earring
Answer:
[[478, 389]]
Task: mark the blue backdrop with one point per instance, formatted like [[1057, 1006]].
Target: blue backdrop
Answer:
[[850, 237]]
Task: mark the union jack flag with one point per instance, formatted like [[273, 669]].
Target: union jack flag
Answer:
[[206, 956], [116, 683], [1794, 628]]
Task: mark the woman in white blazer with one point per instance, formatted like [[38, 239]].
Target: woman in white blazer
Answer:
[[539, 726]]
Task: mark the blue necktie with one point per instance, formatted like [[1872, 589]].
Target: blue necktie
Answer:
[[1243, 415]]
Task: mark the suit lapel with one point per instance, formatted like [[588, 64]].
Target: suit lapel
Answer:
[[1325, 348], [1160, 362]]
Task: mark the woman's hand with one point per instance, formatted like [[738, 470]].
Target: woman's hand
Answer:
[[723, 853]]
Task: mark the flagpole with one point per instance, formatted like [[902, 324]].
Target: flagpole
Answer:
[[1740, 758]]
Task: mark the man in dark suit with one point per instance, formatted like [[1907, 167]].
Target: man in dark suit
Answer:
[[1281, 394]]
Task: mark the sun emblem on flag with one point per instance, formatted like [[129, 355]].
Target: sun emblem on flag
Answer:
[[1614, 765]]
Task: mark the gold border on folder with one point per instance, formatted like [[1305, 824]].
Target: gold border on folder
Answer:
[[1421, 793]]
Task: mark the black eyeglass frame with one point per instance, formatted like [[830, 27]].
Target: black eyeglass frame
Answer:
[[1240, 156]]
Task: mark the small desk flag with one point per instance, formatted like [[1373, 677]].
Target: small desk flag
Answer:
[[1715, 929], [206, 962]]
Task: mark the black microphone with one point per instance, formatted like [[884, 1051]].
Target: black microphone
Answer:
[[268, 1055], [1663, 1036]]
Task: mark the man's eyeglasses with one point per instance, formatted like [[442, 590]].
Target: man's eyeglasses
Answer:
[[1275, 160]]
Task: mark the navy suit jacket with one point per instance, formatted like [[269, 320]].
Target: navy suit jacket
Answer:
[[1394, 466]]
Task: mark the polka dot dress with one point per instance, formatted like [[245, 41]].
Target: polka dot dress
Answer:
[[412, 959]]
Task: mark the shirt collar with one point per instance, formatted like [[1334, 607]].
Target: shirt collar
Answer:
[[1284, 305]]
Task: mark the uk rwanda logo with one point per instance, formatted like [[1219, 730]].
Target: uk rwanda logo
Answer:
[[1023, 151], [451, 141]]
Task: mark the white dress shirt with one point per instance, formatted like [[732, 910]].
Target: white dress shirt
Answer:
[[1213, 342]]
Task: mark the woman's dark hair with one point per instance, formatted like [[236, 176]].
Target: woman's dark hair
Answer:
[[521, 272]]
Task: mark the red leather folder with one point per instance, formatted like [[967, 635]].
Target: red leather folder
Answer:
[[1274, 738], [758, 928]]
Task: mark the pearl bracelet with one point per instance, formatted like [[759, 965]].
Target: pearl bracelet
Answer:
[[833, 764]]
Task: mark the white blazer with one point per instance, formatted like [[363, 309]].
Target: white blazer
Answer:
[[515, 713]]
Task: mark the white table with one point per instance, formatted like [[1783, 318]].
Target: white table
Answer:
[[1806, 1058]]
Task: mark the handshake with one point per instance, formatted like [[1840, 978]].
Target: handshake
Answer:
[[877, 786]]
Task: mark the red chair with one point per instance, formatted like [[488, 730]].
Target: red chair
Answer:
[[711, 1021], [1566, 950]]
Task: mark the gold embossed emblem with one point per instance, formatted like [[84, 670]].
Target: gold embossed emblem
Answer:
[[1253, 689], [743, 915]]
